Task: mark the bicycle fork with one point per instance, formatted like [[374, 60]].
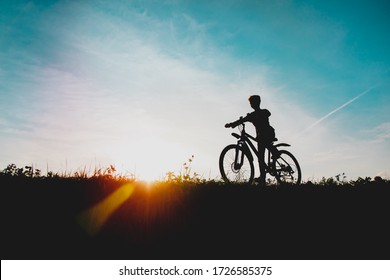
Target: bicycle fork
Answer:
[[239, 156]]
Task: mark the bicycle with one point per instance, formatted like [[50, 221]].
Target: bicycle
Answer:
[[236, 161]]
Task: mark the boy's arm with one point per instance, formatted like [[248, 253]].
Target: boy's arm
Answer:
[[238, 122]]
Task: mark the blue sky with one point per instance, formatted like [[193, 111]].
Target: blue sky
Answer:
[[144, 85]]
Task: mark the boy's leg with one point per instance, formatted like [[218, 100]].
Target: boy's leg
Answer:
[[274, 151], [268, 142], [261, 149]]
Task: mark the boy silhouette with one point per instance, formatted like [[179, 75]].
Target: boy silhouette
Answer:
[[265, 133]]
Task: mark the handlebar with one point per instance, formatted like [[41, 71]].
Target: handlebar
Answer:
[[232, 124]]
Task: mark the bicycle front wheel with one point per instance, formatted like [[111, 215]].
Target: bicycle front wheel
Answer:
[[286, 169], [235, 166]]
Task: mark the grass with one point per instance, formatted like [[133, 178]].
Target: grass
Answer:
[[103, 215]]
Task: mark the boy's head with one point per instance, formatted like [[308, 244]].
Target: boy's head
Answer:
[[255, 100]]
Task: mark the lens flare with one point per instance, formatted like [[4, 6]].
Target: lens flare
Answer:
[[95, 217]]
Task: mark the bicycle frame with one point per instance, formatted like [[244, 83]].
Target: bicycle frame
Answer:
[[236, 160], [244, 140]]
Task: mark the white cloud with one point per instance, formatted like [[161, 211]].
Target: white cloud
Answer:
[[122, 99], [382, 132]]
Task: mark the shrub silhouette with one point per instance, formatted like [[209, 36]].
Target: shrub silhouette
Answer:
[[27, 171]]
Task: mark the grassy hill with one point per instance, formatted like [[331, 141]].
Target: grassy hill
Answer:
[[111, 217]]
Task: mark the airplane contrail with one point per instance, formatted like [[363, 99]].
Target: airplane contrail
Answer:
[[334, 111]]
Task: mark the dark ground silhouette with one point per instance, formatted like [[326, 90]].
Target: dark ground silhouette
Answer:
[[204, 221]]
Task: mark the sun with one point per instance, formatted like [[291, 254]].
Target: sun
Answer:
[[148, 159]]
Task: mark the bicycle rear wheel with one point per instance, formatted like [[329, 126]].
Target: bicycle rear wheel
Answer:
[[235, 166], [286, 169]]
